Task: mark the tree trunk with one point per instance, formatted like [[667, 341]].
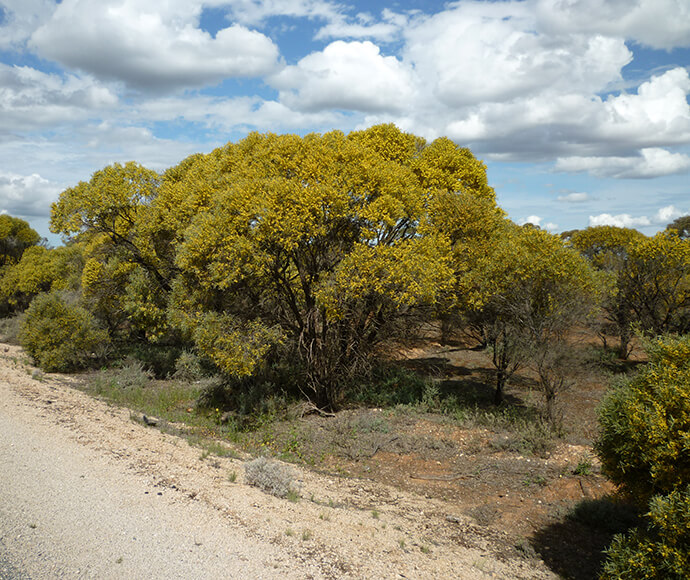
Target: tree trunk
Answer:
[[500, 386]]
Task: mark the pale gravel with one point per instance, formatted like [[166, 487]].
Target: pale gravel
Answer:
[[85, 492]]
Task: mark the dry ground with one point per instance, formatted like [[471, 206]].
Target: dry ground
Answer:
[[390, 492]]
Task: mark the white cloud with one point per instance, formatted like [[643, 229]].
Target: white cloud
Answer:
[[662, 217], [530, 219], [656, 23], [31, 99], [26, 195], [151, 45], [491, 52], [536, 220], [623, 220], [346, 75], [387, 29], [668, 214], [21, 18], [575, 197], [651, 162]]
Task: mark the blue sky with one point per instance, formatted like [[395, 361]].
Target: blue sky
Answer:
[[579, 108]]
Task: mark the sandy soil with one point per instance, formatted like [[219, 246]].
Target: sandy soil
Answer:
[[85, 492]]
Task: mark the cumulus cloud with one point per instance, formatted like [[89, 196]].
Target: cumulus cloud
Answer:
[[490, 52], [26, 195], [537, 221], [151, 45], [346, 75], [657, 23], [31, 99], [652, 162], [624, 220]]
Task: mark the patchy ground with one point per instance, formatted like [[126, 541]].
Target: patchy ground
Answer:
[[390, 493]]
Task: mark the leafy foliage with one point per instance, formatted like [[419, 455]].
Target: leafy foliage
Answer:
[[645, 424], [15, 237], [61, 336], [659, 551], [521, 292]]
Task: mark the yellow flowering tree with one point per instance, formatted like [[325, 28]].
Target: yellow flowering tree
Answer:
[[15, 237], [315, 245], [522, 290], [608, 249]]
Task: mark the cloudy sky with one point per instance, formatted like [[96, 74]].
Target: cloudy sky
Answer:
[[579, 108]]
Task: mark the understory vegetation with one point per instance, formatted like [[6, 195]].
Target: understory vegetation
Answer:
[[283, 277]]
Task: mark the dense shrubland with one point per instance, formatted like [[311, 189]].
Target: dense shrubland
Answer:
[[284, 267]]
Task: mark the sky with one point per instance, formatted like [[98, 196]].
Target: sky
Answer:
[[579, 108]]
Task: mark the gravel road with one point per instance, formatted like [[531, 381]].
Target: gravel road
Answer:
[[85, 492]]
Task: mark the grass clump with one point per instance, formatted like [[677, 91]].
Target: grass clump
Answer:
[[272, 477]]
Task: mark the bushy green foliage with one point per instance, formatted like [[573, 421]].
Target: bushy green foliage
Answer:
[[61, 336], [659, 551], [645, 424], [188, 367]]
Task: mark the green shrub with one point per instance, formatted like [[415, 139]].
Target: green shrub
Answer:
[[645, 424], [188, 367], [60, 336], [661, 550]]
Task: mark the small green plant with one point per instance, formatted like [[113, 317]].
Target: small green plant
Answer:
[[401, 543], [539, 480], [425, 549], [37, 375], [323, 516], [584, 467], [375, 514], [306, 535], [289, 532], [272, 477], [232, 476]]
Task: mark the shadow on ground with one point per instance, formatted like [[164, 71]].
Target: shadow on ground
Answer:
[[574, 547]]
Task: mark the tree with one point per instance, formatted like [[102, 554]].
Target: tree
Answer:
[[608, 249], [313, 246], [681, 226], [656, 283], [113, 209], [15, 237], [40, 269], [522, 292]]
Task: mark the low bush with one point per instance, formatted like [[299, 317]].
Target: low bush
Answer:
[[188, 367], [272, 477], [645, 422], [658, 551], [61, 336]]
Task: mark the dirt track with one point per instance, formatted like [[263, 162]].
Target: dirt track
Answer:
[[85, 492]]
